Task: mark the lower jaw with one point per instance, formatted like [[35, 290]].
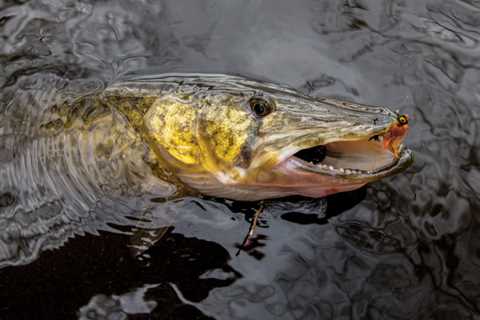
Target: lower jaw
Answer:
[[294, 181], [297, 181]]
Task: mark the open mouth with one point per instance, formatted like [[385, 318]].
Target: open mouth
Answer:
[[359, 158]]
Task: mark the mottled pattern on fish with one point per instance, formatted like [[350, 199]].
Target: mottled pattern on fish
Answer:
[[102, 156], [63, 163]]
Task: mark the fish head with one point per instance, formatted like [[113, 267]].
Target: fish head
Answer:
[[248, 140]]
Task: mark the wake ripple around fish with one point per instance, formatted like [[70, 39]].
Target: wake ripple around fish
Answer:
[[55, 186]]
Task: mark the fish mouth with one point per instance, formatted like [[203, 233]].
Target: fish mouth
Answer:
[[367, 158]]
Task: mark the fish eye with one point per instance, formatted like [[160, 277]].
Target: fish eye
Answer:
[[260, 106], [403, 119]]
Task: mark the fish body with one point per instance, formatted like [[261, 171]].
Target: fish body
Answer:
[[235, 138], [132, 150]]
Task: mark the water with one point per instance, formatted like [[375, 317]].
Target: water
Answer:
[[406, 247]]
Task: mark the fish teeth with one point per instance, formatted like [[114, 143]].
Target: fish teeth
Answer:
[[341, 170]]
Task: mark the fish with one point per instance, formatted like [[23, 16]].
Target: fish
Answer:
[[81, 161], [230, 137]]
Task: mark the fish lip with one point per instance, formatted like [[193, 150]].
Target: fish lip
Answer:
[[404, 160]]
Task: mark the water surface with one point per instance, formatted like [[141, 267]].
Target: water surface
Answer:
[[407, 247]]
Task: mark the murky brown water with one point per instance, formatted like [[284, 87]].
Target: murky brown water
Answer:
[[407, 247]]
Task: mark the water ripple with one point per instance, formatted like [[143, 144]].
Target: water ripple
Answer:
[[403, 248]]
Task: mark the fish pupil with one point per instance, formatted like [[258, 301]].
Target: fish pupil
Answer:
[[259, 108]]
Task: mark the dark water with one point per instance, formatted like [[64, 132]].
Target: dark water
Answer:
[[407, 247]]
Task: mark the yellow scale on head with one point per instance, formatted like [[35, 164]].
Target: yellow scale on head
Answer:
[[171, 124], [211, 135], [227, 128]]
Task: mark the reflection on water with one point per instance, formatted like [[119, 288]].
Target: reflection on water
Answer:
[[403, 248]]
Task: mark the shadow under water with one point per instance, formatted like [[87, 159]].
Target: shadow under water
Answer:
[[101, 276], [99, 272]]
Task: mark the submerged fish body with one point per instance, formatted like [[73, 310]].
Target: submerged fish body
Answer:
[[69, 158]]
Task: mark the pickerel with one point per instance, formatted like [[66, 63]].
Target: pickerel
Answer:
[[230, 137], [235, 138], [68, 156]]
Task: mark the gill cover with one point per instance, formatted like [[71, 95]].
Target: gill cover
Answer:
[[198, 135]]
